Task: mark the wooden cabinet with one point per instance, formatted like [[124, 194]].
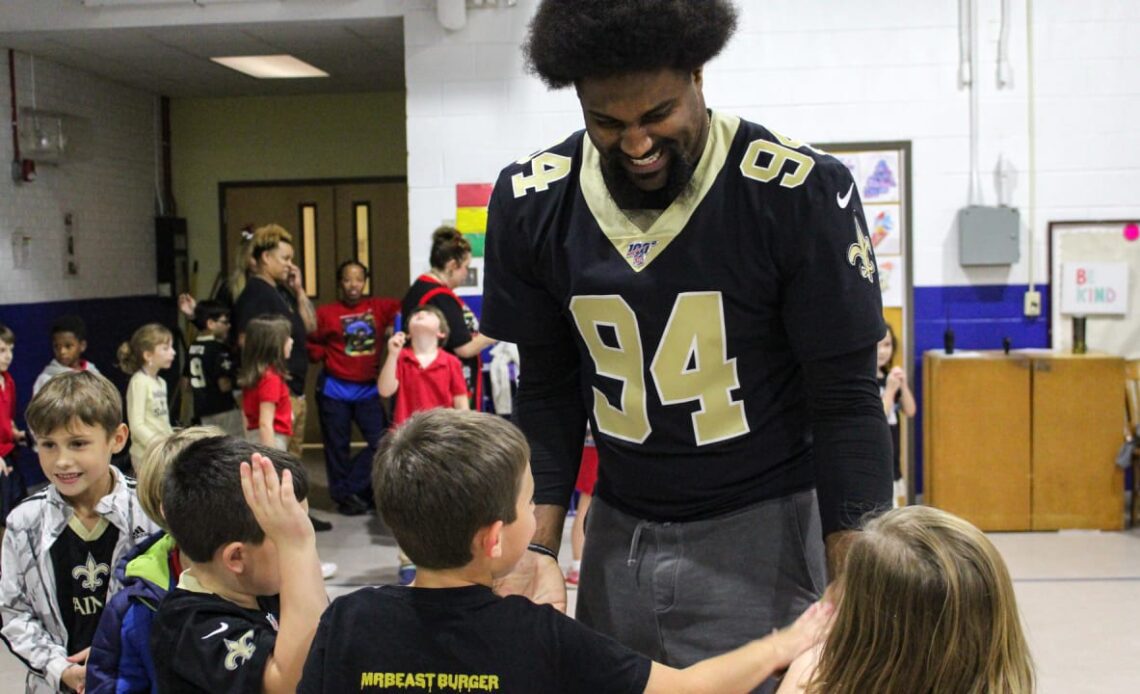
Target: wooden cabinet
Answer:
[[1024, 441]]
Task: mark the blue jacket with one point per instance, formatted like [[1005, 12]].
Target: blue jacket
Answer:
[[120, 660]]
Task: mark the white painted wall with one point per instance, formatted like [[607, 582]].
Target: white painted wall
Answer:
[[828, 71], [110, 190]]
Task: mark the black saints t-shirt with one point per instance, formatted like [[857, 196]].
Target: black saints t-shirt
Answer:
[[450, 640], [83, 564], [204, 643]]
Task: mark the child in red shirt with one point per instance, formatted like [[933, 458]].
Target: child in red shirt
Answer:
[[10, 435], [424, 374], [426, 377], [265, 395]]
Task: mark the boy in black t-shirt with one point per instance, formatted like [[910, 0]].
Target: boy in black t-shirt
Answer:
[[249, 538], [455, 488], [210, 369]]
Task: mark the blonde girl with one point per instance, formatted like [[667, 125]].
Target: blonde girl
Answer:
[[262, 377], [925, 604], [150, 350]]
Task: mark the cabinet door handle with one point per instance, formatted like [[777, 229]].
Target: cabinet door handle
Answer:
[[1043, 366]]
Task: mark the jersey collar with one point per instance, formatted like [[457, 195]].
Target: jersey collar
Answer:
[[638, 247]]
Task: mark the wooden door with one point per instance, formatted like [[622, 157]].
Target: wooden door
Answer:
[[1078, 408], [330, 222], [977, 438]]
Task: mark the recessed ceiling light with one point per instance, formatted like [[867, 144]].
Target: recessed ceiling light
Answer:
[[270, 67]]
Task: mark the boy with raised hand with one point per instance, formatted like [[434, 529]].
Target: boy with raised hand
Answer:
[[63, 542], [455, 488], [247, 532]]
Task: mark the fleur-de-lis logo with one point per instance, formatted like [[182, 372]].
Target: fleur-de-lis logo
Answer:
[[859, 254], [90, 573], [239, 652]]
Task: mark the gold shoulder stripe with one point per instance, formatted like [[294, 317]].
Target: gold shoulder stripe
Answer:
[[638, 247]]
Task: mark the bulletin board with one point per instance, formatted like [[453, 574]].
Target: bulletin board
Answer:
[[882, 176], [1107, 241]]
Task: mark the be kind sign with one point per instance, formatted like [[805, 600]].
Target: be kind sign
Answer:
[[1094, 288]]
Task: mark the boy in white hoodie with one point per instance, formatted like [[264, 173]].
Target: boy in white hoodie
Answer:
[[58, 555], [68, 343]]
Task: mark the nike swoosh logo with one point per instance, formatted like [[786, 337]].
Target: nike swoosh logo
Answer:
[[844, 199], [217, 631]]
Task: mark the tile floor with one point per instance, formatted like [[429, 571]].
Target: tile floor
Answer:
[[1079, 593]]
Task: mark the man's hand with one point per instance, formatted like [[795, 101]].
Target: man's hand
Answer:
[[274, 503], [75, 676], [538, 577]]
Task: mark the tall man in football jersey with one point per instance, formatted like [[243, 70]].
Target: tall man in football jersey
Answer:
[[704, 290]]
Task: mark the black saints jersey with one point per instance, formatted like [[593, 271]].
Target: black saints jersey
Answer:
[[202, 642], [691, 326], [82, 560], [209, 365]]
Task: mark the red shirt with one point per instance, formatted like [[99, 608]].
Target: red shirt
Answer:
[[348, 339], [7, 412], [271, 388], [424, 388]]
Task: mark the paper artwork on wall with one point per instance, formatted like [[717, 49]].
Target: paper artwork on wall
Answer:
[[879, 176], [471, 200], [892, 278], [885, 225]]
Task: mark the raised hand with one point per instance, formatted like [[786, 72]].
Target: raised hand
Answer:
[[274, 502]]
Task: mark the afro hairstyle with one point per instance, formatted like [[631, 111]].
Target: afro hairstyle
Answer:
[[570, 41]]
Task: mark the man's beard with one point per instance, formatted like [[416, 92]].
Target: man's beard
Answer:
[[626, 193]]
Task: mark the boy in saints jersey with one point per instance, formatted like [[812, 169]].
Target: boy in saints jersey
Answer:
[[62, 544], [242, 617]]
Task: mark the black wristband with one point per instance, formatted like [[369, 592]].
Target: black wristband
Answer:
[[543, 549]]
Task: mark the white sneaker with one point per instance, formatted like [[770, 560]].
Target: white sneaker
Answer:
[[328, 569]]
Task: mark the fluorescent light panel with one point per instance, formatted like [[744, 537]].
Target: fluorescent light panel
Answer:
[[271, 67]]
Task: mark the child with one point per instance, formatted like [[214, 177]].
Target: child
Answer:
[[925, 604], [120, 661], [10, 434], [68, 343], [210, 369], [348, 341], [150, 350], [265, 396], [55, 567], [896, 395], [587, 480], [426, 376], [248, 536], [456, 489]]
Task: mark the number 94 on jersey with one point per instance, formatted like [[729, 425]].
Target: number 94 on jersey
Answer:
[[690, 363]]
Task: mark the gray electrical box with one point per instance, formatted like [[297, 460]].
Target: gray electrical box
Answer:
[[988, 235]]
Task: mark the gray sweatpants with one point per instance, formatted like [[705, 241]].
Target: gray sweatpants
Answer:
[[683, 592]]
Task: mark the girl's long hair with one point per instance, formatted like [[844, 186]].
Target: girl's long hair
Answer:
[[926, 605], [265, 338], [145, 339]]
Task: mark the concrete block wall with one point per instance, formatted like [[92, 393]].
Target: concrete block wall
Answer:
[[109, 187], [824, 71]]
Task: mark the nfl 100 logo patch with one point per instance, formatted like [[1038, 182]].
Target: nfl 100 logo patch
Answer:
[[638, 253]]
